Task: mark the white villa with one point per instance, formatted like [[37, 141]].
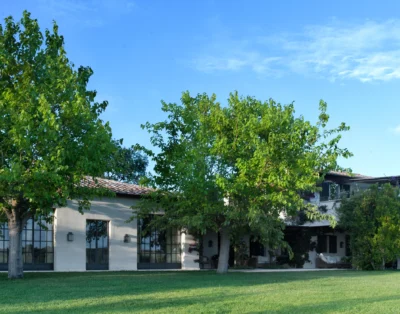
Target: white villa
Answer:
[[102, 239]]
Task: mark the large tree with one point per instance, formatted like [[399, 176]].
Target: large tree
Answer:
[[372, 217], [51, 135], [127, 164], [238, 167]]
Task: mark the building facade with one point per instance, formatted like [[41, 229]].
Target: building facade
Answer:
[[106, 238], [101, 239]]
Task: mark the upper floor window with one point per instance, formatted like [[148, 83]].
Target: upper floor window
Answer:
[[334, 191]]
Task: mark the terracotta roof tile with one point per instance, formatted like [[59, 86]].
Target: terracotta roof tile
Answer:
[[117, 187]]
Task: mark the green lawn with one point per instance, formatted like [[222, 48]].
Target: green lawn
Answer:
[[202, 292]]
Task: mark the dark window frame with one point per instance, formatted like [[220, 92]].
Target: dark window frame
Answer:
[[102, 253], [322, 246], [37, 249], [333, 244], [348, 245], [256, 248], [325, 192], [341, 189], [158, 249]]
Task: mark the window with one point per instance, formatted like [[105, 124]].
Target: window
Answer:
[[4, 243], [334, 191], [321, 244], [324, 194], [256, 248], [158, 248], [97, 245], [37, 245], [348, 248], [345, 190], [332, 244]]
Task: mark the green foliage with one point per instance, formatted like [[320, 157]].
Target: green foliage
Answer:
[[307, 215], [299, 239], [237, 166], [373, 220], [241, 252], [127, 165], [51, 135]]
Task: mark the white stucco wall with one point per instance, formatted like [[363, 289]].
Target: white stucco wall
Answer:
[[71, 256], [312, 255], [210, 251], [188, 258]]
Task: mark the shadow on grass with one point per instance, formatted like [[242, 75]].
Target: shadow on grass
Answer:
[[209, 304], [341, 305], [104, 292], [125, 305]]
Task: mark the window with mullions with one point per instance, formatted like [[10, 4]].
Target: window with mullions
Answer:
[[158, 248], [334, 191], [37, 245], [4, 243], [97, 245]]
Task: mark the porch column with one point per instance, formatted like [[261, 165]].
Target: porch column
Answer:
[[188, 258]]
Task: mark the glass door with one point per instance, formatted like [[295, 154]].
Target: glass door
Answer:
[[97, 245], [158, 249]]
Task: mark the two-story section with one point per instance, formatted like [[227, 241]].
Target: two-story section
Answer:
[[330, 247]]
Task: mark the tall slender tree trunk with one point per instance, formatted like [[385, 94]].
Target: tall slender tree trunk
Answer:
[[15, 263], [224, 251]]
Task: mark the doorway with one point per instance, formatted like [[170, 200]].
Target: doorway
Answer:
[[97, 245]]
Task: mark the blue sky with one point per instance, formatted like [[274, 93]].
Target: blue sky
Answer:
[[345, 52]]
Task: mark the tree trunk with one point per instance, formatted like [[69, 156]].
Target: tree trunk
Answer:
[[15, 263], [224, 251]]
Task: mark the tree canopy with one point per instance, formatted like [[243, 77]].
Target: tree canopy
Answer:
[[127, 164], [51, 134], [372, 217], [237, 168]]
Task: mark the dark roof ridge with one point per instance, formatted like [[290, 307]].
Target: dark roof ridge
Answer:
[[347, 174]]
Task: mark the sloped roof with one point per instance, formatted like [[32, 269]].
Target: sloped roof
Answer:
[[388, 179], [346, 174], [117, 187], [137, 190]]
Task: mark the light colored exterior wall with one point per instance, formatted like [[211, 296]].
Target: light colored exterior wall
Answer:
[[312, 256], [188, 258], [71, 256], [341, 237], [210, 251]]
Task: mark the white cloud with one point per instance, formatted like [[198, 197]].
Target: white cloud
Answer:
[[254, 61], [396, 130], [369, 51], [92, 13]]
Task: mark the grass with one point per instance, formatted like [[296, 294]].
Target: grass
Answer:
[[202, 292]]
